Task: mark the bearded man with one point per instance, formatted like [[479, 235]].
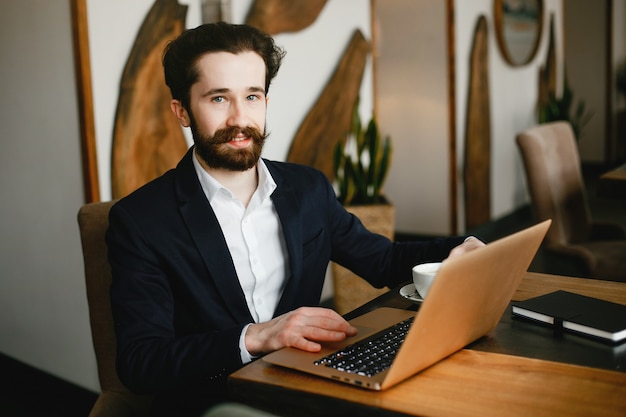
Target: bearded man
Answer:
[[223, 258]]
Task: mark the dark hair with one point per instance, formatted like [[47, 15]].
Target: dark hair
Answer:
[[181, 54]]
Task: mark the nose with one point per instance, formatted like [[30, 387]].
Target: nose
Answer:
[[237, 115]]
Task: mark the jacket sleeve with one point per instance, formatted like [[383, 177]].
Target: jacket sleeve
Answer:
[[153, 354], [375, 258]]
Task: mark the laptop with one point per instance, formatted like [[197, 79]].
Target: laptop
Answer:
[[465, 302]]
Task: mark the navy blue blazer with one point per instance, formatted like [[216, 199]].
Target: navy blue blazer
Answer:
[[177, 304]]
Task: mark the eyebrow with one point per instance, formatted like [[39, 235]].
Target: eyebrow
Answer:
[[227, 90]]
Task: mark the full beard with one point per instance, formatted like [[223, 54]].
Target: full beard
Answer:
[[216, 153]]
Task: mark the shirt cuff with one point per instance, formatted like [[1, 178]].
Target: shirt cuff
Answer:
[[245, 355]]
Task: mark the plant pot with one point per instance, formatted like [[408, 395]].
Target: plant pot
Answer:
[[351, 291]]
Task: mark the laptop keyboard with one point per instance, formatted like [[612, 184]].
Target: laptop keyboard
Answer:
[[371, 355]]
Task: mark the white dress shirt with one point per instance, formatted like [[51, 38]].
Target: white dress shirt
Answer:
[[255, 240]]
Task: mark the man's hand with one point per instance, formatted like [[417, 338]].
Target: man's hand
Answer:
[[470, 244], [302, 328]]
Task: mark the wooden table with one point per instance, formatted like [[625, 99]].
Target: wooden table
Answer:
[[486, 379]]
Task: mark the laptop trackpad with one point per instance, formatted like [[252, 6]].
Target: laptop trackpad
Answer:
[[372, 322], [367, 325]]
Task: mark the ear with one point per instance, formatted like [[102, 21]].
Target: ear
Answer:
[[180, 112]]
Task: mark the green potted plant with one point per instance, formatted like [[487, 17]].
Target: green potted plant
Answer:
[[361, 163], [560, 108]]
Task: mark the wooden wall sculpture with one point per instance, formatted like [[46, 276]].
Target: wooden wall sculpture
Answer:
[[147, 139], [329, 119], [477, 171], [276, 16]]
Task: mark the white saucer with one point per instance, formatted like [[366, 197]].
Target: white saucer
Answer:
[[408, 292]]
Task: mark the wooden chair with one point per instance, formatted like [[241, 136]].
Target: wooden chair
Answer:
[[115, 399], [557, 192]]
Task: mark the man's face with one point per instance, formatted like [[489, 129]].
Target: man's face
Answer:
[[227, 110]]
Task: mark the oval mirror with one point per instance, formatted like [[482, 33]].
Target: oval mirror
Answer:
[[518, 29]]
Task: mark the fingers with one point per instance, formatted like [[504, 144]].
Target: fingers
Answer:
[[306, 326], [311, 337], [303, 328], [470, 244], [324, 321]]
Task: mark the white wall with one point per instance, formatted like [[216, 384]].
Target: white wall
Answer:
[[43, 308], [412, 105]]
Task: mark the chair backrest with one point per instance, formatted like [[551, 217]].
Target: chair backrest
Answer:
[[555, 183], [93, 222]]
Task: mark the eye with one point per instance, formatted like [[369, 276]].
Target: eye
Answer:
[[253, 97], [218, 99]]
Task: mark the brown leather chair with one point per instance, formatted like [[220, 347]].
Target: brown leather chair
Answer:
[[115, 399], [557, 192]]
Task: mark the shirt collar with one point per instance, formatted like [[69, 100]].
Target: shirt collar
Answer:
[[211, 186]]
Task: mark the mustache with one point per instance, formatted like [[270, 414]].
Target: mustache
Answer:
[[229, 133]]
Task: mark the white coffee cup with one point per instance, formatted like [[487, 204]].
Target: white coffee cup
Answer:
[[424, 276]]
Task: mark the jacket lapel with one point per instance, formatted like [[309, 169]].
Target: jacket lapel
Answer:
[[289, 213], [208, 238]]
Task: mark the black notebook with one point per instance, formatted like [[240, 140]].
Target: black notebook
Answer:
[[576, 313]]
